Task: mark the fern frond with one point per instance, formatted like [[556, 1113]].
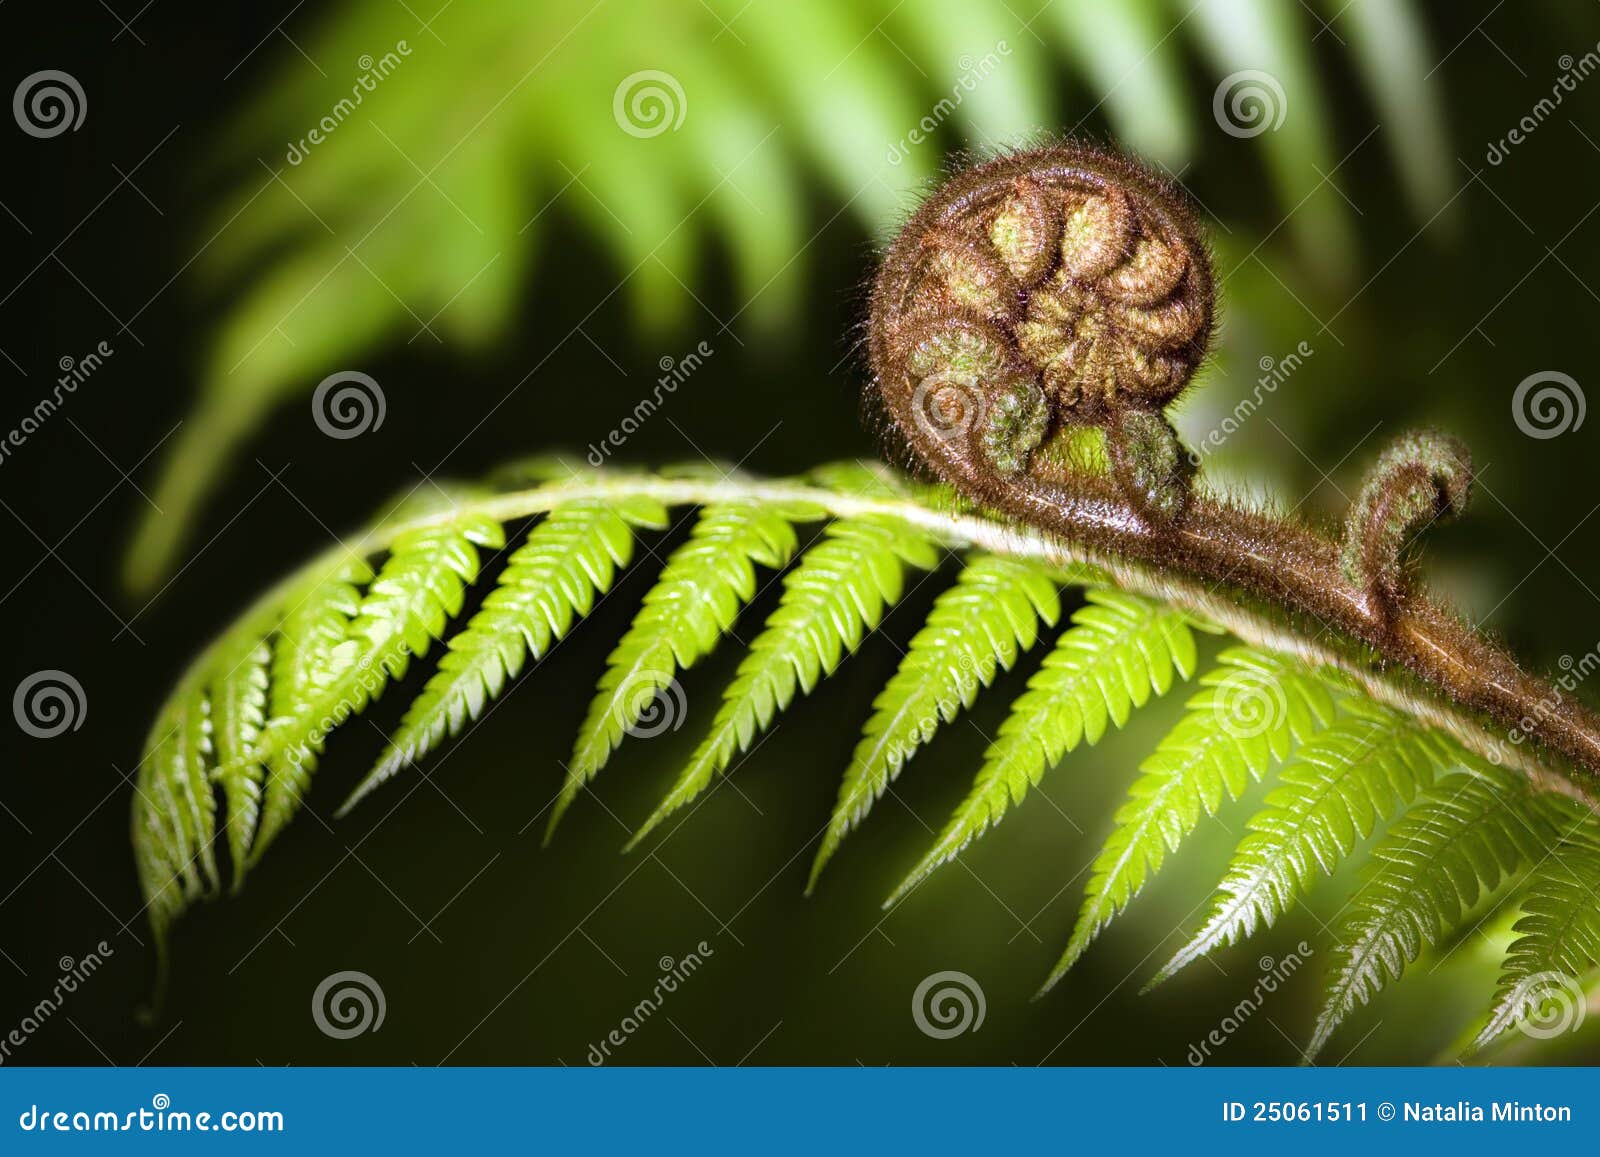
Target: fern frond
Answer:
[[1120, 650], [1558, 941], [569, 559], [419, 589], [702, 588], [837, 592], [977, 628], [1254, 707], [1457, 842], [1330, 796], [248, 720]]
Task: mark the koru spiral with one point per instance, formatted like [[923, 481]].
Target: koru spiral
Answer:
[[1045, 290]]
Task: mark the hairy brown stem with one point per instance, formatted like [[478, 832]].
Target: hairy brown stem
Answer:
[[1299, 571]]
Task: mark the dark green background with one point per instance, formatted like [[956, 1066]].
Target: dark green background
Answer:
[[490, 950]]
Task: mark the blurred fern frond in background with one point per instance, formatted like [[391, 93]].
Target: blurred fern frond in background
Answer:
[[396, 177]]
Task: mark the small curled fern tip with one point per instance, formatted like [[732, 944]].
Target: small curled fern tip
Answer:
[[1064, 291], [1423, 477]]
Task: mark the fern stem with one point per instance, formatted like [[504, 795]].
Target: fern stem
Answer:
[[1218, 554]]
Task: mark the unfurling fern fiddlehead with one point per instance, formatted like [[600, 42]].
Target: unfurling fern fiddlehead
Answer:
[[1066, 289], [1029, 326]]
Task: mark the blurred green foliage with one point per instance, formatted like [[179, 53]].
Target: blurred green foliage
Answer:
[[403, 194]]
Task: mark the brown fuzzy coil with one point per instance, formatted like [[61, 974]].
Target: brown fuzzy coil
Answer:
[[1050, 288]]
